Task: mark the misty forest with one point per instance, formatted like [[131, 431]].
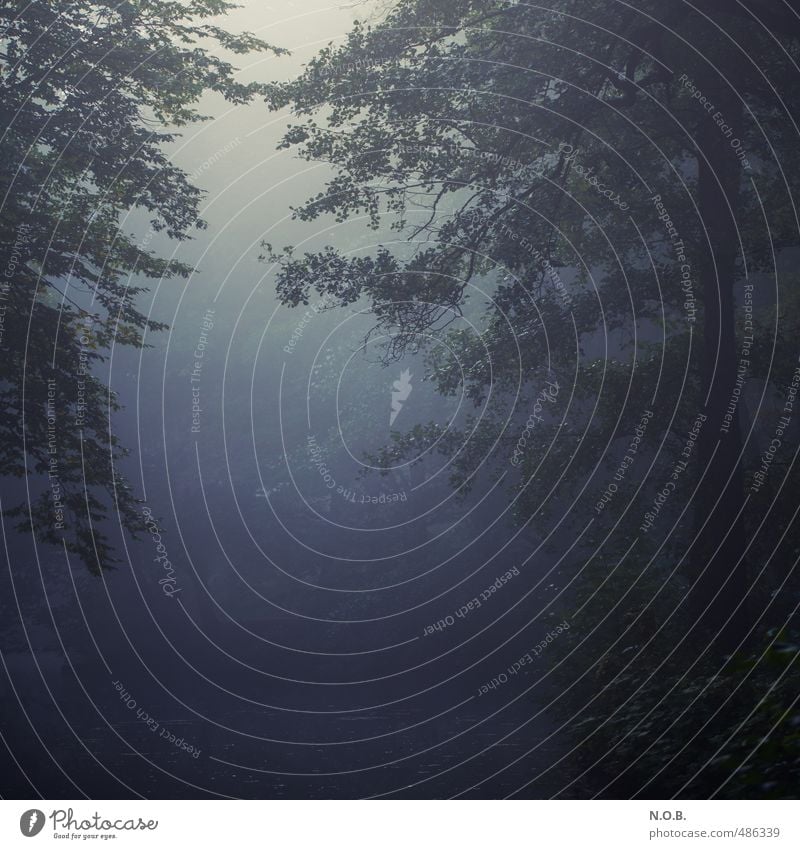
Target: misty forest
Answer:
[[400, 399]]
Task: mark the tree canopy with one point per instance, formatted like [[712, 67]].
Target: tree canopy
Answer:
[[616, 177], [91, 93]]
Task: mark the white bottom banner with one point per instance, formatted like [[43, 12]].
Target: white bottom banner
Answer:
[[403, 824]]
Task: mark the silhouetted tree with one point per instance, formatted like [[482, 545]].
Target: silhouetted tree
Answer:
[[91, 91], [616, 171]]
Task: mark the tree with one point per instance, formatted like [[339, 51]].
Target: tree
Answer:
[[618, 173], [91, 92]]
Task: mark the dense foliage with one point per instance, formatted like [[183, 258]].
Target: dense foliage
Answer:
[[91, 92]]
